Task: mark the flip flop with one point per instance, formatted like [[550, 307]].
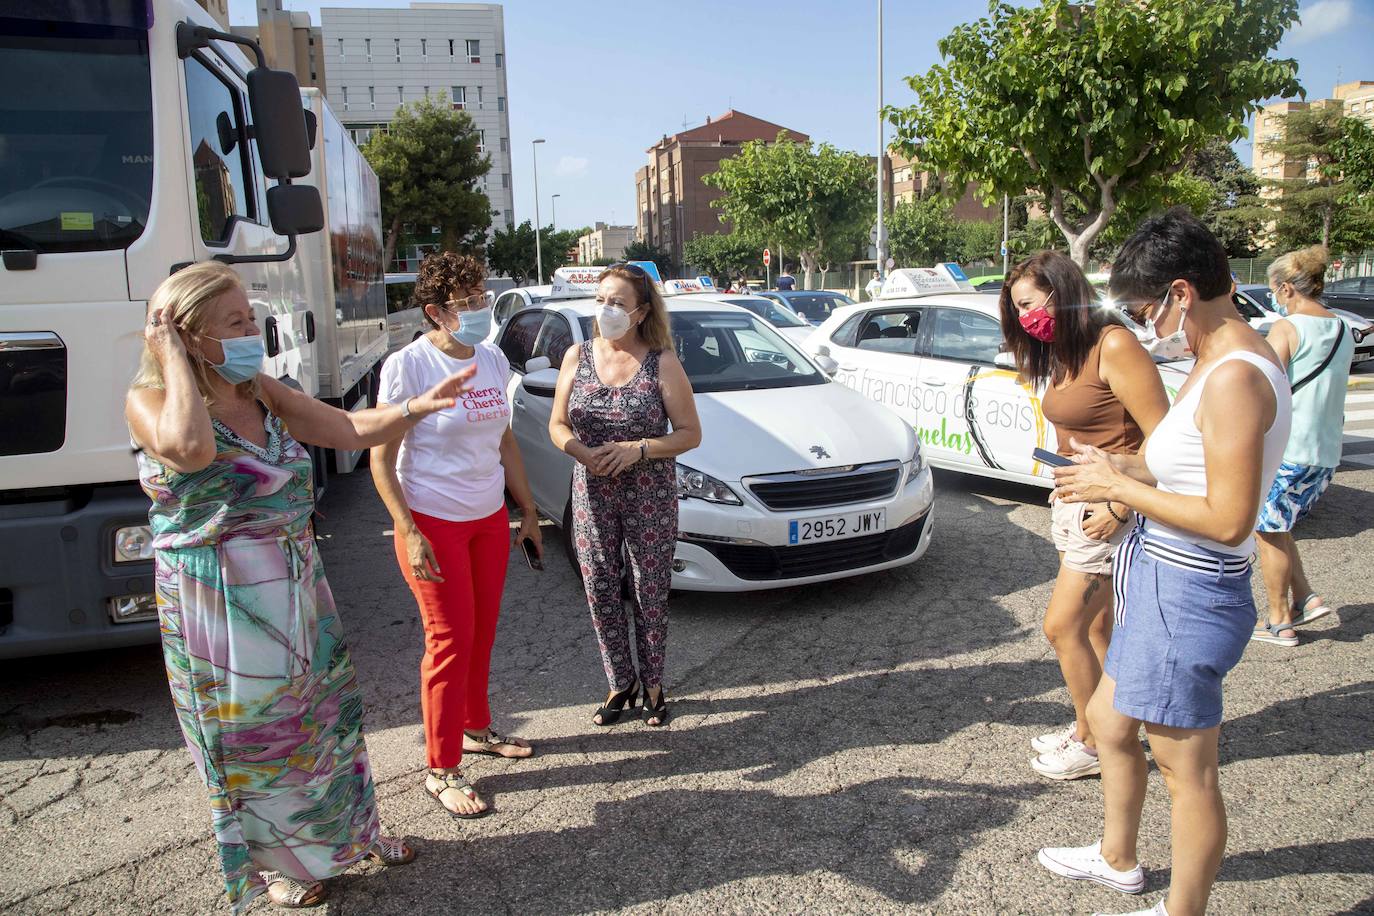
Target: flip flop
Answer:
[[1270, 633], [459, 782], [1303, 616]]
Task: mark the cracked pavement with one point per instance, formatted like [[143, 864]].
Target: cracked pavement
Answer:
[[853, 747]]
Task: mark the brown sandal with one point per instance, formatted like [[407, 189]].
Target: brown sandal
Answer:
[[391, 850], [491, 741], [294, 894], [458, 782]]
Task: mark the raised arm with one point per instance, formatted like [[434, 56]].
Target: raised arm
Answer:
[[171, 423], [317, 423]]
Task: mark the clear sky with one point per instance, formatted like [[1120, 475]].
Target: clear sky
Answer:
[[603, 81]]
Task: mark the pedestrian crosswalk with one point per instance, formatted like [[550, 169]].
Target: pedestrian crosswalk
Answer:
[[1358, 439]]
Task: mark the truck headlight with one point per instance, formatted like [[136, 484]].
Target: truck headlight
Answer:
[[694, 484], [133, 544], [915, 464]]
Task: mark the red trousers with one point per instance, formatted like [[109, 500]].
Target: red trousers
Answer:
[[459, 615]]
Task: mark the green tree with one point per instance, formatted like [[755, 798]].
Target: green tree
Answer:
[[723, 256], [428, 166], [511, 251], [1085, 104], [1307, 203], [643, 251], [810, 200], [1234, 212], [1354, 154], [921, 232], [976, 240]]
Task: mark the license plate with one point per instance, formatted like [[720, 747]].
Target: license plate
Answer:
[[836, 527]]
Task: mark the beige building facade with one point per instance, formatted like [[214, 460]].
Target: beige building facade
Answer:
[[904, 181], [604, 242], [289, 41], [1354, 100]]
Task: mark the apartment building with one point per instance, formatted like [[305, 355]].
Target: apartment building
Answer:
[[380, 59], [904, 180], [1355, 100], [604, 242], [672, 204], [289, 41]]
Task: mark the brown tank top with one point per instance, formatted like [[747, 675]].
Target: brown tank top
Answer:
[[1085, 409]]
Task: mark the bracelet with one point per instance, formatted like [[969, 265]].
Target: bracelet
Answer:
[[405, 408], [1112, 513], [643, 449]]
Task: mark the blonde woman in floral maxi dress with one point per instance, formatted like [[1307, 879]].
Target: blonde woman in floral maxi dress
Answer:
[[260, 676]]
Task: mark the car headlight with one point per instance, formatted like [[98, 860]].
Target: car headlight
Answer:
[[691, 483], [133, 544], [915, 464]]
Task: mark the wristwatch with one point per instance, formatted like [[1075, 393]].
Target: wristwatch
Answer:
[[643, 449]]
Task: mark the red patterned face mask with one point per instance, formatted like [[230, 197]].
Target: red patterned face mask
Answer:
[[1039, 323]]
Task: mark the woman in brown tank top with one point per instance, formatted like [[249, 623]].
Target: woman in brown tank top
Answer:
[[1100, 388]]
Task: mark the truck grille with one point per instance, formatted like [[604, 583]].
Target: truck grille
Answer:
[[33, 392], [785, 492], [756, 563]]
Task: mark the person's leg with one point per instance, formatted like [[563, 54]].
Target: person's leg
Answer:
[[651, 565], [1078, 600], [1276, 553], [597, 535], [1298, 584], [1124, 773], [1187, 758]]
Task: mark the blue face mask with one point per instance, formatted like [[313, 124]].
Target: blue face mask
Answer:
[[473, 327], [242, 358]]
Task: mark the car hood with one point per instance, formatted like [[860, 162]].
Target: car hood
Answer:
[[795, 334], [775, 430]]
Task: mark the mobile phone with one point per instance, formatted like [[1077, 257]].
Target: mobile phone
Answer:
[[532, 555], [1053, 459]]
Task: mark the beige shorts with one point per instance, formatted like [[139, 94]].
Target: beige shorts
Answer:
[[1082, 553]]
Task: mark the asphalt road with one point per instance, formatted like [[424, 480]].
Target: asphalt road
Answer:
[[857, 747]]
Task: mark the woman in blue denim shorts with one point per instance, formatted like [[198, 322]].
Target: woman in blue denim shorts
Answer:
[[1184, 608]]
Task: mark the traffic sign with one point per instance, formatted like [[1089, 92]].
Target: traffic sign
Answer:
[[767, 257]]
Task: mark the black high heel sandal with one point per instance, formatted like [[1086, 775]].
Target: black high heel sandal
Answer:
[[610, 713], [659, 712]]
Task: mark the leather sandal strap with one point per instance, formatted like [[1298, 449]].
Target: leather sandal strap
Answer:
[[293, 893], [454, 781], [391, 850]]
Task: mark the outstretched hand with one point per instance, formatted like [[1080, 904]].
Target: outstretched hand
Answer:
[[445, 394]]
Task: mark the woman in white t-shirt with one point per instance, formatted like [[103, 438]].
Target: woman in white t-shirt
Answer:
[[444, 485]]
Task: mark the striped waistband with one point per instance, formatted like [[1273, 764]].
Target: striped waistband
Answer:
[[1173, 553]]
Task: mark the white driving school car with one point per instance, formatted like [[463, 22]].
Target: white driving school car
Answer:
[[930, 349], [797, 479]]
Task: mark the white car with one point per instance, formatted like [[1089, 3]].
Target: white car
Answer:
[[1256, 296], [930, 349], [797, 479], [785, 321]]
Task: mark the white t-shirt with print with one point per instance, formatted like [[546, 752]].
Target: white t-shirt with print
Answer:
[[450, 462]]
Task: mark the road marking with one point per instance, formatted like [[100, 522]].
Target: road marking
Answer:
[[1355, 416], [1362, 460], [1359, 398]]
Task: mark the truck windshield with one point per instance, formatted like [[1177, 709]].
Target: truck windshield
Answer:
[[76, 136]]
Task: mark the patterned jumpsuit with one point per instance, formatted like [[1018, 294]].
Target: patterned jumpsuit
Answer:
[[637, 510]]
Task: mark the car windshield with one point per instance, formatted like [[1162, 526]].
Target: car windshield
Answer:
[[816, 307], [76, 136], [724, 351], [771, 312]]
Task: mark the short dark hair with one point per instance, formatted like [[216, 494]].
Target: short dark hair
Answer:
[[1170, 246], [1078, 322], [444, 273]]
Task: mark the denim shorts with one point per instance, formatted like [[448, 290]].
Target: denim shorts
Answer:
[[1182, 630]]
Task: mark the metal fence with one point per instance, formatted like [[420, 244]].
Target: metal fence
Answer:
[[1252, 270]]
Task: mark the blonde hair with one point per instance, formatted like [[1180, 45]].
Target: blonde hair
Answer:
[[1304, 269], [654, 329], [185, 299]]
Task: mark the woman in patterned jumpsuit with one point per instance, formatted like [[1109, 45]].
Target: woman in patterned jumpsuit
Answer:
[[617, 396]]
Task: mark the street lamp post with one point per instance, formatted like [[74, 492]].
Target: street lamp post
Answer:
[[538, 248], [881, 244], [553, 201]]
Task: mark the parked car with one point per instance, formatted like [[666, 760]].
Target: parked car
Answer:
[[1354, 294], [1256, 296], [404, 321], [815, 305], [787, 322], [514, 300], [797, 479], [930, 349]]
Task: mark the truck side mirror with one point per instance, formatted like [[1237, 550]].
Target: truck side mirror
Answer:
[[295, 209], [279, 123]]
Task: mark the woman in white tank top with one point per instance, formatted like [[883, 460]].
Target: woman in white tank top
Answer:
[[1184, 606]]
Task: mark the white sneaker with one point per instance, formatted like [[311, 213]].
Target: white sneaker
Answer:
[[1085, 863], [1156, 910], [1070, 760], [1047, 742]]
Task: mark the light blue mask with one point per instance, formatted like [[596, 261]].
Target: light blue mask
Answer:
[[243, 358], [473, 327]]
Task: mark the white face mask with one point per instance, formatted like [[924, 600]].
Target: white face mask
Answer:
[[612, 321], [1174, 346]]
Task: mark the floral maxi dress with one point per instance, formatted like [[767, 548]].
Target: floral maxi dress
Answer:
[[261, 680]]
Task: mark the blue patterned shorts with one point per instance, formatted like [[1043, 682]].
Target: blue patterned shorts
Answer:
[[1295, 491]]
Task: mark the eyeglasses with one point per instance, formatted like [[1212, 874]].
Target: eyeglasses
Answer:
[[468, 304], [1145, 311], [632, 268]]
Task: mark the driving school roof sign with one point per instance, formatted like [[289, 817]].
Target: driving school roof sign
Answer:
[[925, 281], [574, 282], [697, 285]]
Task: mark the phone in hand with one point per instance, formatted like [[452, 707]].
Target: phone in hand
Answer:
[[1052, 459], [532, 554]]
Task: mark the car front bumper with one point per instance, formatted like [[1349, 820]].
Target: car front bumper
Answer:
[[745, 548]]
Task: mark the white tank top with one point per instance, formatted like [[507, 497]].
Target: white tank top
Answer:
[[1174, 454]]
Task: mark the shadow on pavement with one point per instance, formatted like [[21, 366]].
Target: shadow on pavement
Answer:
[[1330, 723], [900, 836], [1344, 857], [1342, 512]]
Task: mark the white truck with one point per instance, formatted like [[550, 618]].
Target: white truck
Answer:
[[144, 139]]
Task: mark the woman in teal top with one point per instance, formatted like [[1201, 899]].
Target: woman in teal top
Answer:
[[260, 676], [1317, 347]]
